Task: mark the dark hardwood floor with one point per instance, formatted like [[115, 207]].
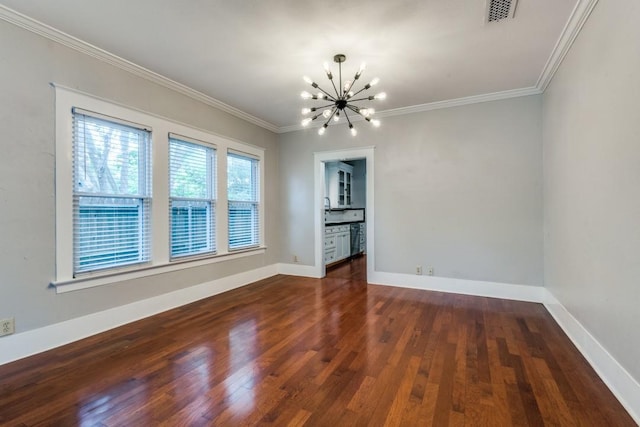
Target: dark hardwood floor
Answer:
[[332, 352]]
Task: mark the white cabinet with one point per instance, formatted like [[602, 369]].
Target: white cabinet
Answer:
[[337, 243], [338, 184]]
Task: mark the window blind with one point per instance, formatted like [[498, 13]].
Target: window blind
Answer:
[[111, 193], [192, 197], [243, 192]]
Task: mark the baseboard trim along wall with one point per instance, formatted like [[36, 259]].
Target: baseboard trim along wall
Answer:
[[298, 270], [623, 386], [460, 286], [20, 345]]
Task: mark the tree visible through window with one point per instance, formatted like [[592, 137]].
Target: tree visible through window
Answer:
[[192, 195], [111, 194], [243, 191]]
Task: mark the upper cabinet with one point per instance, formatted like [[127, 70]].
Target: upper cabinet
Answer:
[[338, 181]]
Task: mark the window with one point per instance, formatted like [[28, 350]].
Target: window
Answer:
[[111, 193], [243, 189], [192, 197], [138, 194]]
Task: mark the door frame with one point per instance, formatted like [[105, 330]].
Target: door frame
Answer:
[[319, 160]]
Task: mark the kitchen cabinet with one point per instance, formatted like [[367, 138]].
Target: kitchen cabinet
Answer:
[[337, 243], [338, 181]]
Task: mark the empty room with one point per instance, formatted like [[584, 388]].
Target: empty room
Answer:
[[339, 213]]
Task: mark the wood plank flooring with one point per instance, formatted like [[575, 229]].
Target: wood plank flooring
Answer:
[[291, 351]]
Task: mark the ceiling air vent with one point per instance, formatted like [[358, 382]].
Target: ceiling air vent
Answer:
[[500, 9]]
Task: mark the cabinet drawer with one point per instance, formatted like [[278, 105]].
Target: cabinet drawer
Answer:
[[331, 230], [329, 257], [330, 242]]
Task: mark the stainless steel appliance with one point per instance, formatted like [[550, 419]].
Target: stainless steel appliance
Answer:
[[355, 238]]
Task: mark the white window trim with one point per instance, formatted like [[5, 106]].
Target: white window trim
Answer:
[[65, 100]]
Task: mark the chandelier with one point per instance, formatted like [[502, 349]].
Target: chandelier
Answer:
[[343, 101]]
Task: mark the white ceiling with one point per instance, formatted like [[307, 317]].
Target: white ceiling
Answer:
[[252, 54]]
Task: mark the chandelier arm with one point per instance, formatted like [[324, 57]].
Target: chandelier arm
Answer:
[[355, 79], [333, 113], [363, 89], [361, 99], [325, 106], [335, 88], [346, 116], [326, 93], [353, 108]]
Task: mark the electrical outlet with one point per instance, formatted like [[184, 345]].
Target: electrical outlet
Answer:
[[419, 270], [7, 327], [430, 271]]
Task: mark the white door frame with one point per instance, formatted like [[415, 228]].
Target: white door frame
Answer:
[[319, 160]]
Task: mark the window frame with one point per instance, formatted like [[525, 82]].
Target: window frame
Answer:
[[211, 198], [64, 281], [143, 195], [256, 202]]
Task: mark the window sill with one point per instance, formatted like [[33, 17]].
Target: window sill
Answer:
[[107, 278]]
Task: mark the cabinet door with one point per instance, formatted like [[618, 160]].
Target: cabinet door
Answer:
[[346, 244], [341, 187], [347, 189]]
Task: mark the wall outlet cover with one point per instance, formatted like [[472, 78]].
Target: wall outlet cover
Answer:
[[7, 326]]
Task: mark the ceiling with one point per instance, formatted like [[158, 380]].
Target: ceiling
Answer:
[[252, 54]]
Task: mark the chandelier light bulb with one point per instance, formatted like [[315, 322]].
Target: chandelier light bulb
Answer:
[[375, 122], [364, 112], [354, 132], [350, 94], [371, 111], [347, 85], [381, 96], [321, 95], [374, 81], [306, 111], [322, 129], [306, 121], [307, 79], [363, 66], [306, 95], [336, 118], [326, 114]]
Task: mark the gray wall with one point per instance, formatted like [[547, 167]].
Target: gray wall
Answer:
[[592, 180], [459, 189], [28, 63]]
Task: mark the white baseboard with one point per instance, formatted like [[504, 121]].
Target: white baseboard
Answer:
[[18, 346], [299, 270], [460, 286], [623, 386]]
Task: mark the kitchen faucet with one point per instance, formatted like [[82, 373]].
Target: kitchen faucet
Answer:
[[328, 200]]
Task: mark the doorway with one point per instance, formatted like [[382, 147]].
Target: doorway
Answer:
[[321, 159]]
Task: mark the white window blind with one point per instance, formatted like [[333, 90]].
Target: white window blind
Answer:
[[111, 193], [192, 197], [243, 192]]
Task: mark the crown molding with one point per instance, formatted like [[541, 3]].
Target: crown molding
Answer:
[[438, 105], [67, 40], [457, 102], [578, 17]]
